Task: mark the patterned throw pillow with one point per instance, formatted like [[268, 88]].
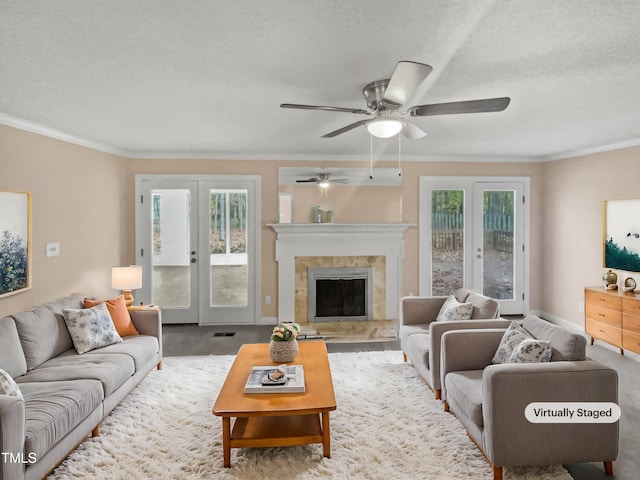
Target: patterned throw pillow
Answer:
[[119, 314], [510, 340], [91, 328], [8, 385], [531, 351], [453, 310]]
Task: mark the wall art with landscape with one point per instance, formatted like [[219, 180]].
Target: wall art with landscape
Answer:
[[15, 235], [622, 235]]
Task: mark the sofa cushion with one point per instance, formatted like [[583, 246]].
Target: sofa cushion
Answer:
[[141, 348], [91, 328], [11, 355], [417, 348], [111, 369], [465, 390], [509, 341], [462, 294], [483, 307], [119, 314], [8, 385], [564, 344], [531, 351], [43, 333], [53, 409], [453, 310], [406, 331]]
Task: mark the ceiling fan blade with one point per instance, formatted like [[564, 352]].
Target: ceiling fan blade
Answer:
[[469, 106], [345, 129], [405, 80], [412, 131], [321, 107], [308, 180]]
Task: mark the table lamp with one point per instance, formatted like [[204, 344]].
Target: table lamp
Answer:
[[126, 279]]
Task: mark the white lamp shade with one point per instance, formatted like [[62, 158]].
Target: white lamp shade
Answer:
[[384, 127], [126, 278]]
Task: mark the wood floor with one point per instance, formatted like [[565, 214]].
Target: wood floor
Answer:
[[182, 340]]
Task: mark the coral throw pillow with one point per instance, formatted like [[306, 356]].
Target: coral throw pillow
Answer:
[[119, 314]]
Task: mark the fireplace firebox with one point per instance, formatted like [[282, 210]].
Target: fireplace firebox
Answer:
[[340, 293]]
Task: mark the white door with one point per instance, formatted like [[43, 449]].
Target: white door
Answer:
[[166, 247], [226, 286], [473, 235], [198, 242]]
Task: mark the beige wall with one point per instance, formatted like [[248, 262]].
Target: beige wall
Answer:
[[84, 199], [80, 198], [351, 204], [572, 232]]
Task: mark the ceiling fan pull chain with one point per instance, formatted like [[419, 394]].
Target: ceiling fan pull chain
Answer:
[[399, 155], [370, 156]]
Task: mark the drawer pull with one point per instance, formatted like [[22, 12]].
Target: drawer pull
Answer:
[[601, 314], [602, 300], [600, 330]]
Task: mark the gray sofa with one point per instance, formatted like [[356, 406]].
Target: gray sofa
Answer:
[[490, 399], [66, 395], [420, 335]]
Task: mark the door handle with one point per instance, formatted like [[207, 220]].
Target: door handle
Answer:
[[193, 260]]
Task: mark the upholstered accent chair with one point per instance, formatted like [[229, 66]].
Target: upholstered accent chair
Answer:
[[420, 334], [490, 399]]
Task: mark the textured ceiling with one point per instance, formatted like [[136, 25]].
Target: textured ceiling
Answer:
[[204, 79]]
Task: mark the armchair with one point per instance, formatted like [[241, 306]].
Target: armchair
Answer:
[[490, 400], [420, 335]]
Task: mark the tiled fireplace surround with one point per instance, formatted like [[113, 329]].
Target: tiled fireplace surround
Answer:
[[303, 245]]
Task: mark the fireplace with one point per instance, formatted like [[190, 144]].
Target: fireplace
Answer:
[[300, 246], [341, 293]]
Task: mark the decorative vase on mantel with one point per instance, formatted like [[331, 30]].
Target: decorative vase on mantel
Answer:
[[283, 347]]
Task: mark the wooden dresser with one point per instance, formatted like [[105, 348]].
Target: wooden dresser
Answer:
[[613, 316]]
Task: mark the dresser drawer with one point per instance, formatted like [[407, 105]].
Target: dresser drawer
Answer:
[[631, 323], [603, 299], [631, 341], [603, 331], [631, 306], [600, 313]]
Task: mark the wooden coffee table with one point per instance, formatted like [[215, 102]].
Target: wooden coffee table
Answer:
[[276, 419]]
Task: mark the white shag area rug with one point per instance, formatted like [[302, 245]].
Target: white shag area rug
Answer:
[[388, 425]]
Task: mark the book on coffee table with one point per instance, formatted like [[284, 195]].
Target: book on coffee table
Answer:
[[259, 380]]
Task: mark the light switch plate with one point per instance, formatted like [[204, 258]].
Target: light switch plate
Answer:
[[53, 249]]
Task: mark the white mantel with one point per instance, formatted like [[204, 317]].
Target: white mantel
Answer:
[[338, 240]]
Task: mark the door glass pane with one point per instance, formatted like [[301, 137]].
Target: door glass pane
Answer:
[[498, 216], [228, 246], [171, 278], [447, 241]]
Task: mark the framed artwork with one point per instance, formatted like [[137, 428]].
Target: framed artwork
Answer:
[[15, 242], [622, 235]]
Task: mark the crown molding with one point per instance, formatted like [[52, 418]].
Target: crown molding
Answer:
[[39, 129]]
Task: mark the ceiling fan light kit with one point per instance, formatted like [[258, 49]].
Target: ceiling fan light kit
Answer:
[[384, 127], [386, 98]]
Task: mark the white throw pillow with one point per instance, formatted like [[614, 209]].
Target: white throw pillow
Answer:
[[453, 310], [8, 386], [510, 340], [531, 351], [90, 328]]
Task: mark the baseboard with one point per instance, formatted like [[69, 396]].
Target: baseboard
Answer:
[[267, 321]]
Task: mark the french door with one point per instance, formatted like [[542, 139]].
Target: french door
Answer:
[[197, 239], [473, 235]]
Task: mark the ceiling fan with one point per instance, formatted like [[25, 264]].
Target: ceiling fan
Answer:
[[323, 180], [386, 98]]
